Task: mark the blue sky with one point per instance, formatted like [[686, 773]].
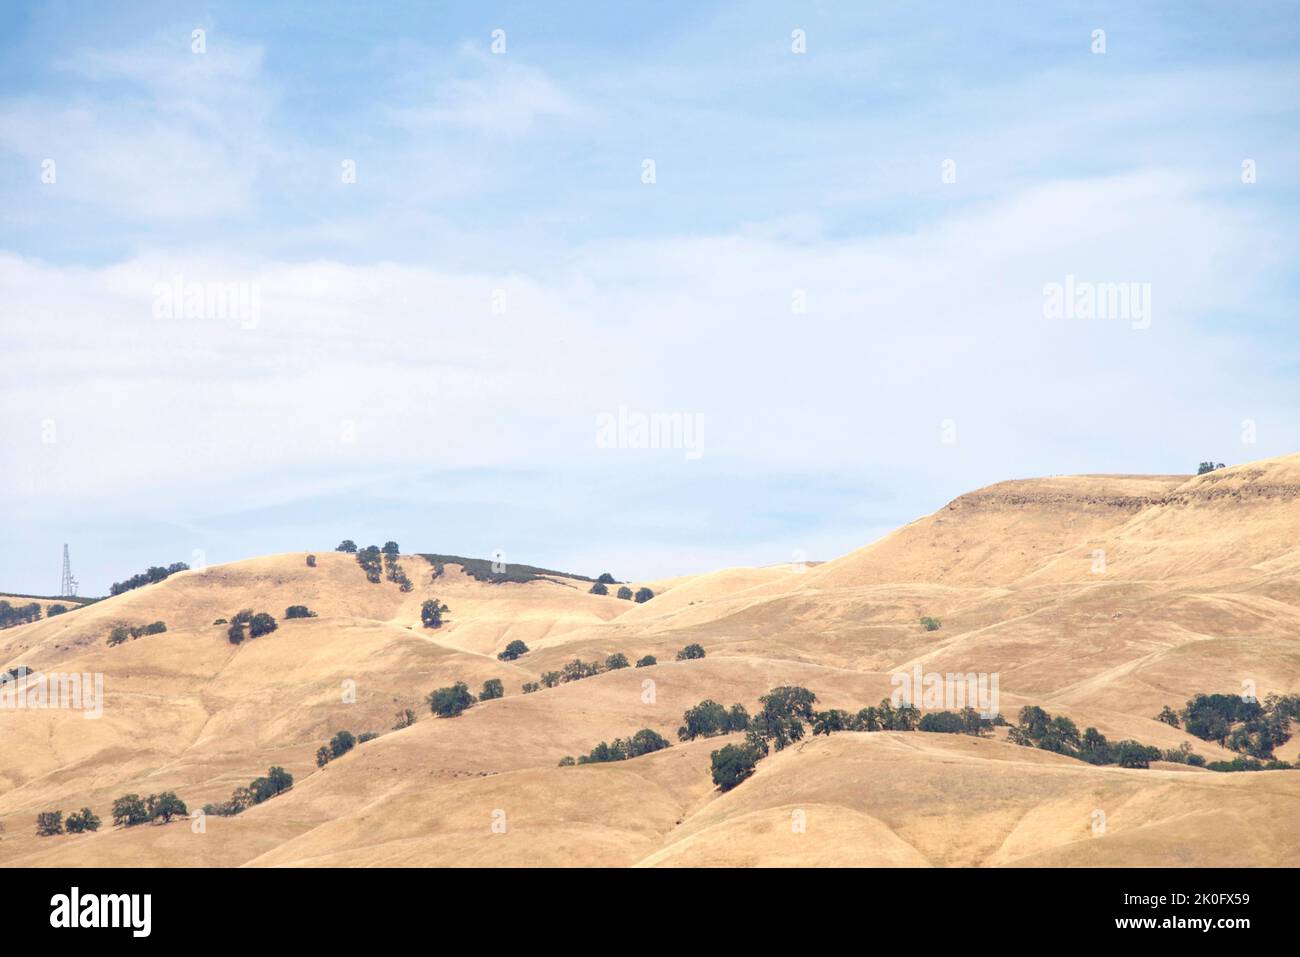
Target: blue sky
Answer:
[[436, 339]]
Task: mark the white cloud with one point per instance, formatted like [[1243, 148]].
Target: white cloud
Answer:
[[158, 133], [900, 334]]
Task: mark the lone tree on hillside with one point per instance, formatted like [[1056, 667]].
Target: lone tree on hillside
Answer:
[[616, 661], [347, 545], [129, 810], [431, 613], [492, 688], [605, 579], [311, 561], [599, 589], [691, 652], [647, 661], [1169, 716], [391, 549], [513, 651], [930, 624], [625, 593], [643, 595], [733, 763], [405, 718], [450, 702], [237, 625], [299, 611], [49, 823], [165, 806], [1209, 467], [261, 624]]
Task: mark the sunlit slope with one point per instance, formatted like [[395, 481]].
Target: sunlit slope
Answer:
[[1102, 598], [950, 800], [998, 534], [1050, 531], [189, 711]]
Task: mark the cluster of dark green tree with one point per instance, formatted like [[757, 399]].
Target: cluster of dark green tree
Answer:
[[11, 615], [645, 741], [1038, 729], [246, 624], [50, 823], [120, 633], [1209, 467], [1241, 724], [709, 718], [781, 719], [299, 611], [450, 701], [577, 669], [513, 650], [431, 613], [131, 809], [155, 574], [371, 561], [392, 570], [1251, 764], [965, 721], [641, 595], [276, 781], [883, 717], [778, 724], [339, 745]]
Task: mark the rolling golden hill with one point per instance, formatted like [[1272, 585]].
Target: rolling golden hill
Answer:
[[1099, 597]]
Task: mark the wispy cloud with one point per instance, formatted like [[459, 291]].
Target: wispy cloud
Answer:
[[493, 95], [497, 273]]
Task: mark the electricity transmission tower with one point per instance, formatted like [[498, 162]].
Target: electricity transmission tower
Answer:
[[69, 587]]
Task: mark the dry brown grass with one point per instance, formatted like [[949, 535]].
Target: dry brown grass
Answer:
[[1201, 591]]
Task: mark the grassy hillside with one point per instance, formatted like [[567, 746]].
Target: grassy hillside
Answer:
[[1196, 590]]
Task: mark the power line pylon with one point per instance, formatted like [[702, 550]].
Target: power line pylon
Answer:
[[68, 589]]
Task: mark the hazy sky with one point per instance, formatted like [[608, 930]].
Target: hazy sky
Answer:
[[837, 273]]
